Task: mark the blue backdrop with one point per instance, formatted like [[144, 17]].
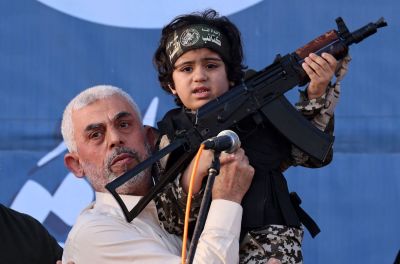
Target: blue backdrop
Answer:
[[51, 50]]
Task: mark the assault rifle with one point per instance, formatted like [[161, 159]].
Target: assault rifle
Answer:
[[260, 96]]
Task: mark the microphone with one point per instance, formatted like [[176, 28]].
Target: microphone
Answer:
[[226, 140]]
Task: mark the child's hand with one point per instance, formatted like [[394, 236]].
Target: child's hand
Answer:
[[320, 69], [202, 171]]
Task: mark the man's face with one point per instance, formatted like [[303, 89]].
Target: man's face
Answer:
[[110, 140]]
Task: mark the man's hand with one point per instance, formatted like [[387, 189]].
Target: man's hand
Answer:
[[320, 69], [234, 178]]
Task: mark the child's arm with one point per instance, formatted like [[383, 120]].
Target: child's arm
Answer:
[[171, 202], [171, 205], [320, 112]]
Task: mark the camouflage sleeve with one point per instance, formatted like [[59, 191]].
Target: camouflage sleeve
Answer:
[[171, 206], [320, 112]]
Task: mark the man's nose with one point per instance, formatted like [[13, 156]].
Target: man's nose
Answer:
[[115, 138]]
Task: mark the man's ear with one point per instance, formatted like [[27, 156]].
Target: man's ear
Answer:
[[152, 135], [72, 162]]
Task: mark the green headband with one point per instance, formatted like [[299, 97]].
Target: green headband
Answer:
[[196, 37]]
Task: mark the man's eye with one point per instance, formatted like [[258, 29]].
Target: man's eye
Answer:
[[95, 135], [124, 124]]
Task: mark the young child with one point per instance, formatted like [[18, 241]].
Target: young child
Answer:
[[199, 58]]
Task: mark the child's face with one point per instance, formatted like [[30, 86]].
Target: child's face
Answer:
[[199, 76]]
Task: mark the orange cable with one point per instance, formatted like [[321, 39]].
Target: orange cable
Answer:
[[189, 203]]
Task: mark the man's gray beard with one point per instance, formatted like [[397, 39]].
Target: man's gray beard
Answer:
[[135, 180], [98, 177]]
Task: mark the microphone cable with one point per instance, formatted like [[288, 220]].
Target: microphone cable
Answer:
[[189, 203]]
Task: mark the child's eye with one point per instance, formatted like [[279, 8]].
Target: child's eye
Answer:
[[212, 66], [186, 69]]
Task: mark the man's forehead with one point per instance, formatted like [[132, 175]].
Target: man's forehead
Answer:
[[103, 110]]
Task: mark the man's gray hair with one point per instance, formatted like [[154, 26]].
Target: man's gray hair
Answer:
[[83, 99]]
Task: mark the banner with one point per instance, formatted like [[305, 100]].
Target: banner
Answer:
[[50, 50]]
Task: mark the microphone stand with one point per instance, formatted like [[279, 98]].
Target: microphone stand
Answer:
[[204, 207]]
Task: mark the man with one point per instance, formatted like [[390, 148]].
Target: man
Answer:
[[105, 137]]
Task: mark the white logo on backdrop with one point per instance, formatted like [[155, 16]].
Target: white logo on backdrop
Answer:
[[141, 14], [70, 198]]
